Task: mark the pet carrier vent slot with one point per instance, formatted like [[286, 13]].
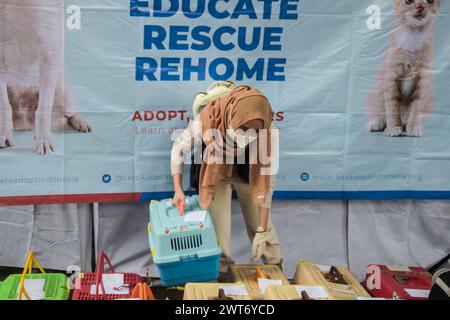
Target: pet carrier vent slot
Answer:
[[186, 242]]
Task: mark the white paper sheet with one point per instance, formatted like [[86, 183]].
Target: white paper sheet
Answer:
[[417, 293], [113, 283], [195, 216], [399, 268], [314, 292], [263, 283], [34, 288], [235, 290]]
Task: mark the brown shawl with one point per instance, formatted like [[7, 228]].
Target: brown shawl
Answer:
[[242, 105]]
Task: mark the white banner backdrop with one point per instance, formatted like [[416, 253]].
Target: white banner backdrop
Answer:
[[332, 70]]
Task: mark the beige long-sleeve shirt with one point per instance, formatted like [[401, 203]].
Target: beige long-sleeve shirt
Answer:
[[184, 144]]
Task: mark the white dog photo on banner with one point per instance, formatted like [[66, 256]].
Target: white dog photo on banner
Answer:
[[34, 94]]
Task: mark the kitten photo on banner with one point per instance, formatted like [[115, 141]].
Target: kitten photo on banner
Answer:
[[403, 94]]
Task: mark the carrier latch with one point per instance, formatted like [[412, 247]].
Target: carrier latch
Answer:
[[188, 258]]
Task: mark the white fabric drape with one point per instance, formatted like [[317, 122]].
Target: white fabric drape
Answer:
[[59, 235], [345, 233]]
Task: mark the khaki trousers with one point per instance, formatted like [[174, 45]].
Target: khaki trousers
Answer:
[[220, 211]]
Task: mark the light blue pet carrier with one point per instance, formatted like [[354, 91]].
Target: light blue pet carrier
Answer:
[[184, 247]]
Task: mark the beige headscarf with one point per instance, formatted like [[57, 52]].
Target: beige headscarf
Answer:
[[242, 105]]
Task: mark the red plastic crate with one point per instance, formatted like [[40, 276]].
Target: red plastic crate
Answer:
[[383, 282], [84, 282]]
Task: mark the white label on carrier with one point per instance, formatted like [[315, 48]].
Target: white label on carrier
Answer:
[[399, 268], [263, 283], [314, 292], [113, 284], [195, 216], [237, 290], [34, 288], [416, 293]]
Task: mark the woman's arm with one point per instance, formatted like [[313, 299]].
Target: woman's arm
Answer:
[[181, 146], [264, 209], [264, 217], [177, 182], [179, 198], [260, 240]]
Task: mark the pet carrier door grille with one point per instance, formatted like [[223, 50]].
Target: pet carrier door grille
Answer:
[[186, 242]]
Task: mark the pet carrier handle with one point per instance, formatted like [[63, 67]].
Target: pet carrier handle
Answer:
[[334, 275], [100, 271], [437, 280], [101, 263], [143, 292], [27, 269]]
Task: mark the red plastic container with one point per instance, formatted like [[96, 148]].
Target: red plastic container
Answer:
[[85, 281], [408, 283]]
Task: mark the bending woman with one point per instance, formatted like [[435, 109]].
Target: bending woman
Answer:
[[228, 129]]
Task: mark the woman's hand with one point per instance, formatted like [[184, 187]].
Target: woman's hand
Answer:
[[259, 244], [179, 199]]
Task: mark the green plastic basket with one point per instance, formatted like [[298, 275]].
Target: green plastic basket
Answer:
[[55, 286]]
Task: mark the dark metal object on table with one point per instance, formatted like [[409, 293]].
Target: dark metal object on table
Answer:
[[221, 296], [335, 276]]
